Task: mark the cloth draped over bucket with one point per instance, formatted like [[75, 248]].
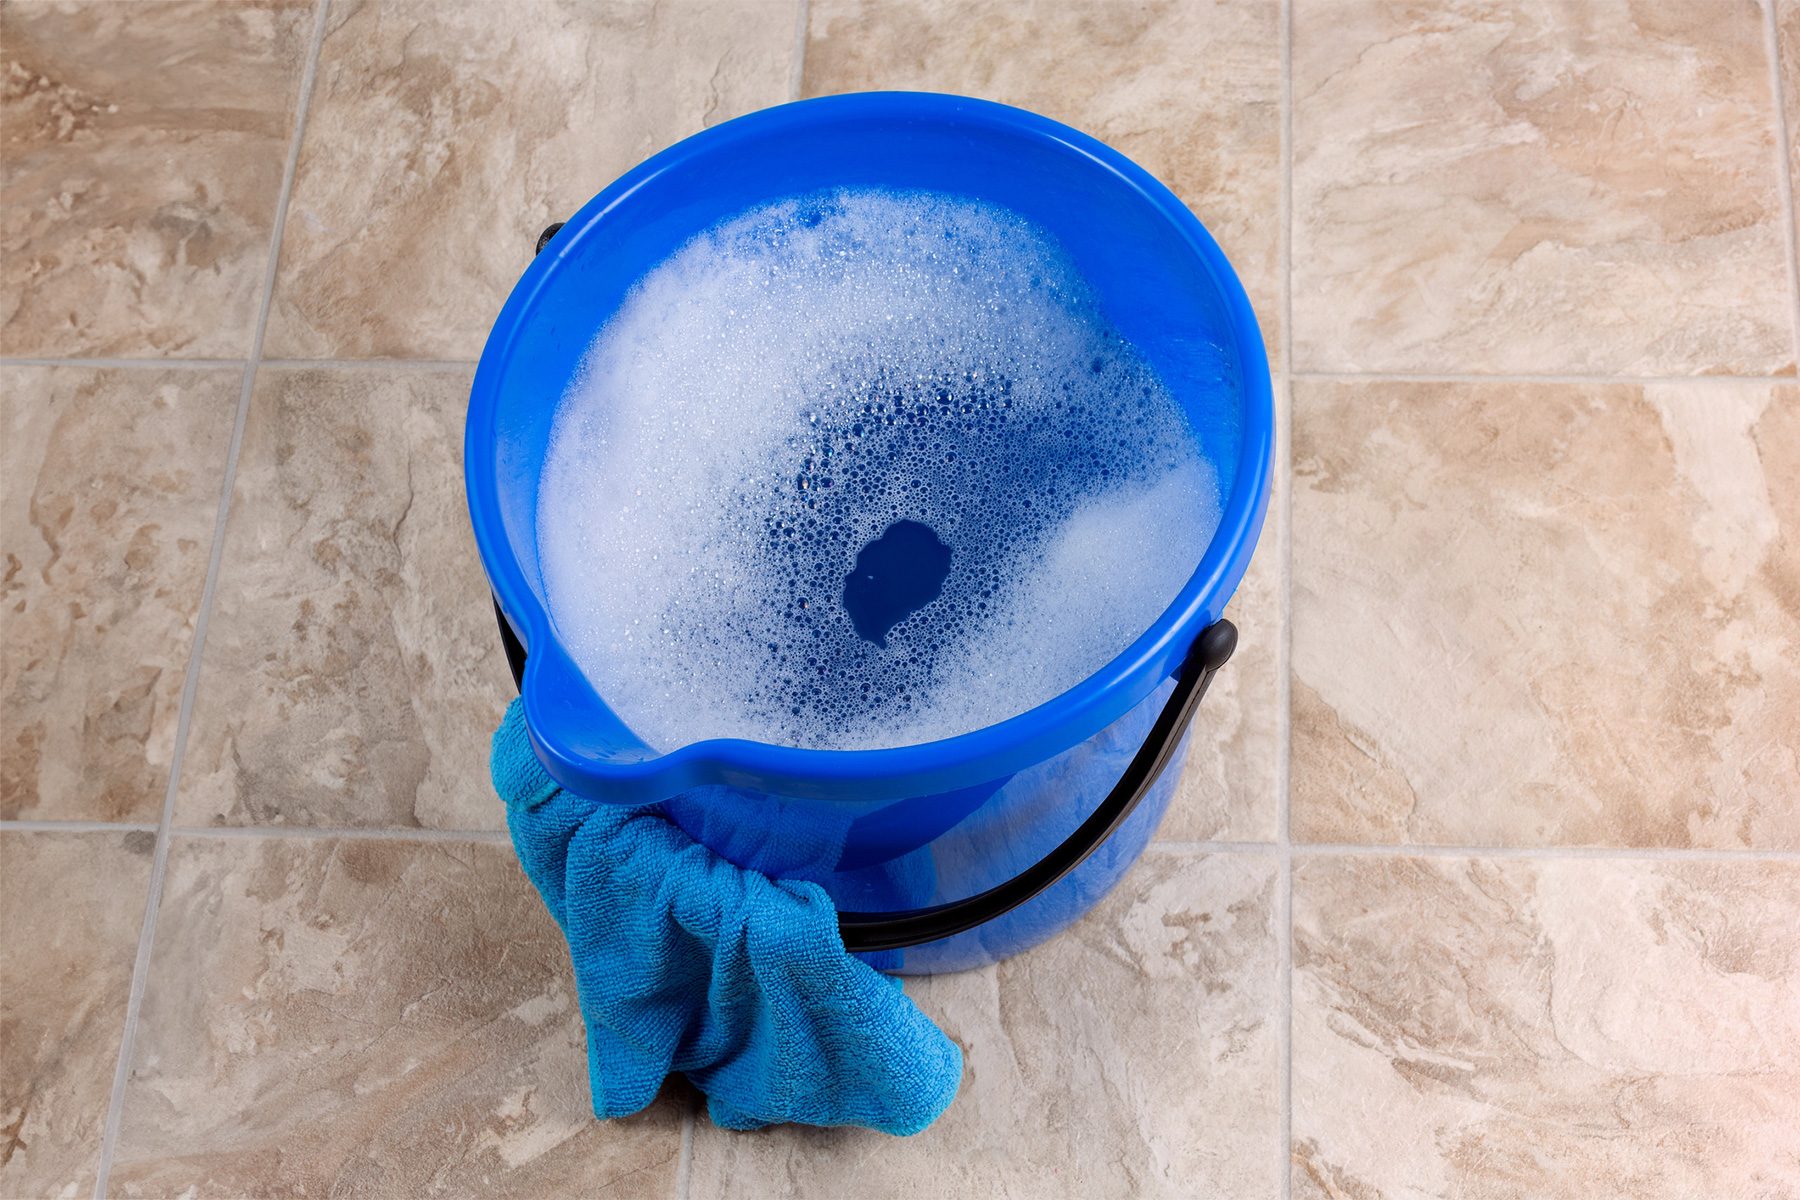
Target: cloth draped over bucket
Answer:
[[686, 962]]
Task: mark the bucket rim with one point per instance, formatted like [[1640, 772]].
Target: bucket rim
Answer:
[[561, 707]]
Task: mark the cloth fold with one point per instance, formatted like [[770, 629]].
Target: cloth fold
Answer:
[[687, 962]]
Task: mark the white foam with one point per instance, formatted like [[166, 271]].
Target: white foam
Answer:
[[779, 392]]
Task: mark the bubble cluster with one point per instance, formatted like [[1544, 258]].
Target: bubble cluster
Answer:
[[786, 387]]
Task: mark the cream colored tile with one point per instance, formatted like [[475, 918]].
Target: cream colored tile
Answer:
[[71, 906], [444, 136], [1537, 187], [1231, 782], [1569, 1028], [109, 490], [1190, 89], [1135, 1055], [139, 172], [1787, 34], [352, 670], [1541, 614], [367, 1018]]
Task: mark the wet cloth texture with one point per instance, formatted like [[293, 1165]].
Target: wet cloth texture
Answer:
[[686, 962]]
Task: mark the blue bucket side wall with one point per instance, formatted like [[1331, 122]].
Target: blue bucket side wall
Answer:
[[943, 848]]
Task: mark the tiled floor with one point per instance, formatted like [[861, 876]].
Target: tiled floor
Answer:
[[1485, 876]]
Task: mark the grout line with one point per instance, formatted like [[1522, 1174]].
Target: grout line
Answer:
[[797, 75], [1284, 774], [1590, 380], [215, 364], [684, 1164], [1288, 849], [370, 364], [140, 970], [30, 826], [1286, 200], [1602, 853], [1284, 998], [1284, 848], [1178, 847], [340, 833], [1284, 658], [1784, 181], [159, 364], [1284, 457]]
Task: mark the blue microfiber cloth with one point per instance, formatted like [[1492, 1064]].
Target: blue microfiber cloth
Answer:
[[687, 962]]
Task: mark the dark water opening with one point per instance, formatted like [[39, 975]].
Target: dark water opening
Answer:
[[896, 575]]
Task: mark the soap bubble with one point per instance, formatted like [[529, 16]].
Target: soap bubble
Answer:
[[788, 386]]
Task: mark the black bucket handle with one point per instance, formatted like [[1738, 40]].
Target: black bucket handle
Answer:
[[868, 931]]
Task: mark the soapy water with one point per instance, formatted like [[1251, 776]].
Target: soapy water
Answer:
[[793, 387]]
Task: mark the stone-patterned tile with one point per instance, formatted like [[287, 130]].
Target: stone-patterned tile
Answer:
[[140, 165], [352, 670], [1538, 1030], [71, 906], [371, 1018], [1787, 33], [1135, 1055], [1190, 89], [1540, 614], [1536, 187], [1230, 785], [444, 136], [109, 489]]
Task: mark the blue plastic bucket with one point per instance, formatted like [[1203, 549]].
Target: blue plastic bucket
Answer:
[[1035, 817]]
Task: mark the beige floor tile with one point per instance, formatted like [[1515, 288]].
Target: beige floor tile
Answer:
[[1538, 614], [1540, 187], [109, 490], [1231, 783], [1569, 1028], [352, 670], [444, 136], [71, 906], [1787, 33], [1135, 1055], [139, 172], [1190, 90], [370, 1018]]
